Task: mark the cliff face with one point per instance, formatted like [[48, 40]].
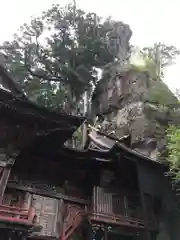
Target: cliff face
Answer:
[[127, 106], [133, 101]]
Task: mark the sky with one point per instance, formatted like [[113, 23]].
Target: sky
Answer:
[[151, 21]]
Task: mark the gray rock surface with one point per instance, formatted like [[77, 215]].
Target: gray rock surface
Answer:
[[123, 102], [132, 101]]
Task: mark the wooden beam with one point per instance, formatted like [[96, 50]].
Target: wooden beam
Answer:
[[3, 181], [105, 233], [48, 194]]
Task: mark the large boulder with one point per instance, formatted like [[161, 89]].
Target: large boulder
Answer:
[[132, 103]]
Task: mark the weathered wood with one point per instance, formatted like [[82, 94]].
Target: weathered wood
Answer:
[[143, 204], [46, 212], [73, 218], [27, 200], [110, 203], [59, 219], [113, 210], [49, 194], [3, 182], [102, 201], [17, 215], [105, 234]]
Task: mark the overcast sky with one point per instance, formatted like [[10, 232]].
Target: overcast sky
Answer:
[[151, 21]]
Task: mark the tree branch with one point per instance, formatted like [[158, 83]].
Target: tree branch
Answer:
[[10, 84], [38, 75]]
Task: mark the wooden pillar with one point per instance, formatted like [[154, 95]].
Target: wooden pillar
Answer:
[[89, 232], [105, 234], [3, 181], [125, 206], [148, 236], [27, 200], [32, 213]]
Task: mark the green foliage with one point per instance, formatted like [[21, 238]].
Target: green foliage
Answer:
[[173, 146], [160, 94], [148, 66], [160, 56], [56, 56], [153, 61]]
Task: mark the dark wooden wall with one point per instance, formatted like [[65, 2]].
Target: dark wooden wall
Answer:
[[156, 185], [48, 210]]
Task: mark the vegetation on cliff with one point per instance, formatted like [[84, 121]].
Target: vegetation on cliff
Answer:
[[160, 95], [154, 60], [173, 139]]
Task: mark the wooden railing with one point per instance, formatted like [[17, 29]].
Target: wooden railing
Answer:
[[17, 215], [117, 220], [108, 208]]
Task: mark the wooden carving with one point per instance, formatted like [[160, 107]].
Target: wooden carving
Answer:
[[48, 215]]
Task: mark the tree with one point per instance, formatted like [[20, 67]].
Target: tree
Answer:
[[55, 58], [159, 56], [154, 60], [173, 146]]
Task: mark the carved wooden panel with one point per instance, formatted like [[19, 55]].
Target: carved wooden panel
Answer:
[[47, 211]]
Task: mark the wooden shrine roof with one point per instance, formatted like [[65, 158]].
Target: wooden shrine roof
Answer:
[[65, 155], [103, 141], [21, 111], [22, 122], [45, 147], [16, 107]]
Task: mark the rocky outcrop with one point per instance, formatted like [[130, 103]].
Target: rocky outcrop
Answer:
[[127, 105], [133, 101]]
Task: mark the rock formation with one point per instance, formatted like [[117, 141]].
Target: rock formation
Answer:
[[124, 99]]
